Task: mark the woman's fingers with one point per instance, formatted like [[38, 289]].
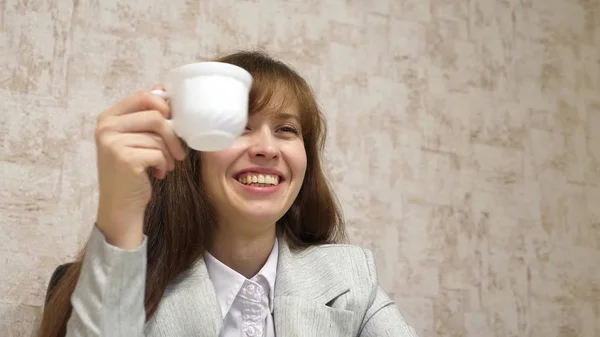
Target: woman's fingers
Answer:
[[150, 158], [148, 141], [151, 121], [139, 101]]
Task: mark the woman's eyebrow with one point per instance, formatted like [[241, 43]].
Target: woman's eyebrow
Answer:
[[285, 116]]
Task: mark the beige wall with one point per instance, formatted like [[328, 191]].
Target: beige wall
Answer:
[[463, 143]]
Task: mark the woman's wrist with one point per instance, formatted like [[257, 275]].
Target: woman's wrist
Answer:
[[121, 231]]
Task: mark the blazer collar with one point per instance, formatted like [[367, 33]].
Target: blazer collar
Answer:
[[189, 307], [309, 273], [307, 281]]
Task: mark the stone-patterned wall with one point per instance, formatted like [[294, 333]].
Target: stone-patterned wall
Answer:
[[463, 143]]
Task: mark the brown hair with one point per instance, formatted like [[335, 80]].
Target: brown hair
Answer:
[[179, 218]]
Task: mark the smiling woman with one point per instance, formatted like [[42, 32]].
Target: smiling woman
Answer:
[[244, 241]]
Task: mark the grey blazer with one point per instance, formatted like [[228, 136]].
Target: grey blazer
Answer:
[[327, 290]]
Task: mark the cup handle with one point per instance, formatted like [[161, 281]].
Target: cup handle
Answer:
[[163, 95]]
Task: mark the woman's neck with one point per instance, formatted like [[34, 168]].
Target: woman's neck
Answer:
[[242, 252]]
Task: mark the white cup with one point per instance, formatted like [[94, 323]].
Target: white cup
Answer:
[[209, 103]]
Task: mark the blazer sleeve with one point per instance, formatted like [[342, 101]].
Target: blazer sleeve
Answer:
[[108, 299], [383, 319]]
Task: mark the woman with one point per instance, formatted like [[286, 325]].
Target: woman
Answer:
[[239, 242]]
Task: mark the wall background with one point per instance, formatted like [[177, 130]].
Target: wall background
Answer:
[[464, 140]]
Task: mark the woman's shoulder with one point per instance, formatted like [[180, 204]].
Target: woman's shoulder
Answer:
[[345, 251], [355, 262], [342, 250]]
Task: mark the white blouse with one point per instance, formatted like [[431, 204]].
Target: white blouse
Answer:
[[246, 304]]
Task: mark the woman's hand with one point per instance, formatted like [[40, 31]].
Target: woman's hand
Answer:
[[131, 137]]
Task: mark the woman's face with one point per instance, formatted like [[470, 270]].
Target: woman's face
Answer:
[[254, 182]]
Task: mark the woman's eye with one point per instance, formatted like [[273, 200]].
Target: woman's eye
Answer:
[[289, 129]]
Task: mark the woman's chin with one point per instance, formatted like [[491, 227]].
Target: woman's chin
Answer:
[[259, 215]]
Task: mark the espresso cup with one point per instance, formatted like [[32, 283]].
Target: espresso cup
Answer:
[[209, 103]]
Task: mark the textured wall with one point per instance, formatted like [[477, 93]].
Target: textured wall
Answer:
[[463, 142]]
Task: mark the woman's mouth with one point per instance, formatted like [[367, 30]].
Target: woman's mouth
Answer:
[[259, 179]]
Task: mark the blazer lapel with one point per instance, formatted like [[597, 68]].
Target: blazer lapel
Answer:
[[307, 281], [188, 308]]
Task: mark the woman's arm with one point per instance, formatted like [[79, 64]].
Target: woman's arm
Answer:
[[383, 319], [108, 299], [134, 141]]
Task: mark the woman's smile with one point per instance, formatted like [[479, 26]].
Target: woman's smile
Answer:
[[260, 181]]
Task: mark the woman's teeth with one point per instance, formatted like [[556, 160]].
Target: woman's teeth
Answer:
[[258, 179]]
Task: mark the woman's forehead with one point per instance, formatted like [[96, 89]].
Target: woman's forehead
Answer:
[[277, 116], [281, 103], [279, 98]]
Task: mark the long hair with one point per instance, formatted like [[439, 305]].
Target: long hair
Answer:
[[179, 218]]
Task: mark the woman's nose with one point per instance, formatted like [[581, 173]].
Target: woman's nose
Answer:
[[263, 145]]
